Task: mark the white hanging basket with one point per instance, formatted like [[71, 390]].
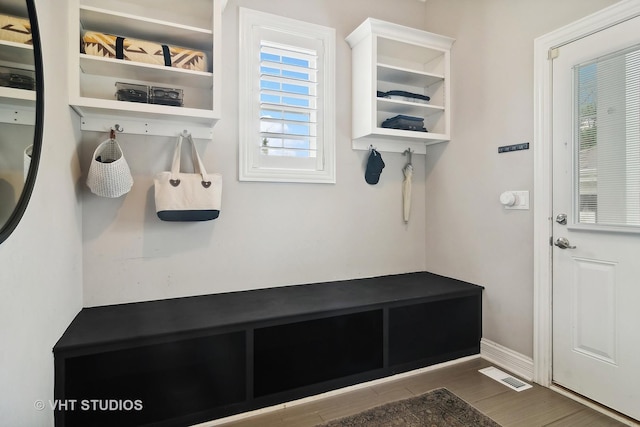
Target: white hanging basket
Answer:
[[109, 174]]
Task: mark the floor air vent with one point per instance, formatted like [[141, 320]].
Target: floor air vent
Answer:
[[504, 378]]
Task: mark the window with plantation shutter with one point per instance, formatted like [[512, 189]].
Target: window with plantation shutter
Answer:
[[286, 99]]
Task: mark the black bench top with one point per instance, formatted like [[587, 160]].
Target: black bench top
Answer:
[[123, 322]]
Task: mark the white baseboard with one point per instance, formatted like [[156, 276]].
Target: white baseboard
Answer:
[[514, 362]]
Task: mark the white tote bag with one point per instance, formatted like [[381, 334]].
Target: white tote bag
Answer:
[[109, 174], [187, 196]]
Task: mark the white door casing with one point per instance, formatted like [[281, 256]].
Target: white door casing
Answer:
[[602, 343]]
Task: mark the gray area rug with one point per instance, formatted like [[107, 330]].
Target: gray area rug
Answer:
[[437, 408]]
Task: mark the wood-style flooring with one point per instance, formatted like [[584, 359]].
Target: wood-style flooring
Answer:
[[537, 406]]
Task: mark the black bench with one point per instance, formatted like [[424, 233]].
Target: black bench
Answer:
[[187, 360]]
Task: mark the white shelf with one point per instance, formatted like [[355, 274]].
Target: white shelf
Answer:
[[20, 97], [107, 107], [395, 141], [129, 70], [19, 54], [407, 135], [387, 56], [394, 106], [407, 76]]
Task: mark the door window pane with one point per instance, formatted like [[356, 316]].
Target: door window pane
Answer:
[[607, 133]]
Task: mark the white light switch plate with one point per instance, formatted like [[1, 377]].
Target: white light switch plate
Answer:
[[522, 200]]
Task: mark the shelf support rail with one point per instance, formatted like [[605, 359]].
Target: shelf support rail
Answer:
[[143, 127], [17, 115]]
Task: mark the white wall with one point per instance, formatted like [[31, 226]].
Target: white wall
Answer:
[[40, 263], [268, 234], [469, 235]]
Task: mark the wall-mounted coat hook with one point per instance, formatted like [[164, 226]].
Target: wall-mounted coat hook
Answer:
[[185, 133]]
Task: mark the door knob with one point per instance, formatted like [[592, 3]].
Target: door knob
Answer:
[[561, 219], [563, 243]]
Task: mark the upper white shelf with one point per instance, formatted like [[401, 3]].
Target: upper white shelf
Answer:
[[406, 76], [128, 25]]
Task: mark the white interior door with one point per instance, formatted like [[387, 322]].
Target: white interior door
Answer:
[[596, 186]]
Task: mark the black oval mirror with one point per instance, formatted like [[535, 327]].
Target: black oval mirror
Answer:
[[21, 110]]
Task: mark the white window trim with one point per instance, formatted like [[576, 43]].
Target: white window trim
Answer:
[[250, 22]]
